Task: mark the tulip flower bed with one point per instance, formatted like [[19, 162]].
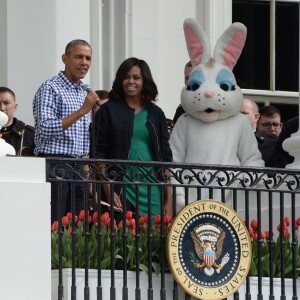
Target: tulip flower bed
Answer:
[[279, 246], [261, 244], [130, 231]]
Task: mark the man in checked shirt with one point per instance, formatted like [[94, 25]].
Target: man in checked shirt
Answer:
[[61, 110]]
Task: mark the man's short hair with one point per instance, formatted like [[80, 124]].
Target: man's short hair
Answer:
[[269, 111], [73, 43], [102, 94], [4, 89]]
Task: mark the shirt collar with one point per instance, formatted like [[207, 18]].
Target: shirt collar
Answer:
[[69, 83]]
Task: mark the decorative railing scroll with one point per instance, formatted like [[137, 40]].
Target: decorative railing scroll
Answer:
[[193, 175]]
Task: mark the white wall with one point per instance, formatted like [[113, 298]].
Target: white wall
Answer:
[[25, 252], [172, 53]]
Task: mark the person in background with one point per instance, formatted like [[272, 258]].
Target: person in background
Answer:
[[266, 142], [170, 125], [61, 110], [103, 97], [131, 127], [283, 158], [187, 71], [15, 132], [270, 120]]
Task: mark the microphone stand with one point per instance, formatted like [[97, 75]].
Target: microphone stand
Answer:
[[92, 155], [93, 134]]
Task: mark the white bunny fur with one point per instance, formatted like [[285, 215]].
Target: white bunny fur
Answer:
[[220, 135]]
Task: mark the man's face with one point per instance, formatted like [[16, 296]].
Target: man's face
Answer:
[[272, 124], [248, 111], [77, 62], [8, 105]]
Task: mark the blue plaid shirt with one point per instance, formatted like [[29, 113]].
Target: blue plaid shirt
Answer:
[[56, 99]]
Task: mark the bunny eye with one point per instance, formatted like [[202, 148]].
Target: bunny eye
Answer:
[[226, 86], [193, 86], [195, 80], [226, 80]]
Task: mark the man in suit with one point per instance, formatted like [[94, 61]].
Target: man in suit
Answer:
[[266, 142]]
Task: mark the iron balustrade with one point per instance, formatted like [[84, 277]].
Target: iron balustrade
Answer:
[[265, 194]]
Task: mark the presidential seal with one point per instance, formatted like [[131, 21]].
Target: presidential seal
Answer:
[[209, 250]]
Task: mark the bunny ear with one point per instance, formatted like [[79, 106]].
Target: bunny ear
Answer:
[[197, 42], [230, 45]]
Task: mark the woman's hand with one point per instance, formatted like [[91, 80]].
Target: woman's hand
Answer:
[[116, 198]]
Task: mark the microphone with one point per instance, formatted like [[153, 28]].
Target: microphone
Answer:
[[88, 89]]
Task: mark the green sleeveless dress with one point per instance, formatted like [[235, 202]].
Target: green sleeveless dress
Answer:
[[141, 148]]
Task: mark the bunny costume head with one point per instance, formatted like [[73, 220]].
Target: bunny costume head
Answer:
[[212, 93]]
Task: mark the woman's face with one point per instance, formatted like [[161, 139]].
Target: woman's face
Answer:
[[133, 83]]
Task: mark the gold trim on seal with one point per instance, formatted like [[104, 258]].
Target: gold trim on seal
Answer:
[[212, 238]]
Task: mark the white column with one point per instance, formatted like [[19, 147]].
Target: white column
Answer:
[[215, 16], [25, 252]]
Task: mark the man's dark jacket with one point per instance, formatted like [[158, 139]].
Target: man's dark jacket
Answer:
[[20, 136], [266, 145], [114, 128]]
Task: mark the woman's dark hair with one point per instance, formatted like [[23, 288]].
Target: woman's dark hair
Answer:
[[149, 92]]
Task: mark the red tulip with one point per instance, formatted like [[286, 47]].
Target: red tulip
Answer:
[[255, 237], [167, 219], [65, 221], [131, 223], [142, 221], [298, 221], [95, 217], [284, 226], [54, 226], [287, 221], [81, 215], [104, 217], [263, 235], [69, 215], [129, 215], [267, 232], [70, 232], [146, 218], [157, 219], [251, 232], [254, 225]]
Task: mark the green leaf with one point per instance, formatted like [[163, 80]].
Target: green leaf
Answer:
[[144, 268], [156, 267]]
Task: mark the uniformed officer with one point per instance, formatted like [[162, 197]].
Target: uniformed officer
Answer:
[[15, 132]]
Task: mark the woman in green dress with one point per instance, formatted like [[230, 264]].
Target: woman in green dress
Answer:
[[131, 127]]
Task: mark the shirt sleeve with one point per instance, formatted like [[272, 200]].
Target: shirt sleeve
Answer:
[[47, 113]]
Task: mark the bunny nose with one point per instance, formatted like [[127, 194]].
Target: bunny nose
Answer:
[[209, 94]]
